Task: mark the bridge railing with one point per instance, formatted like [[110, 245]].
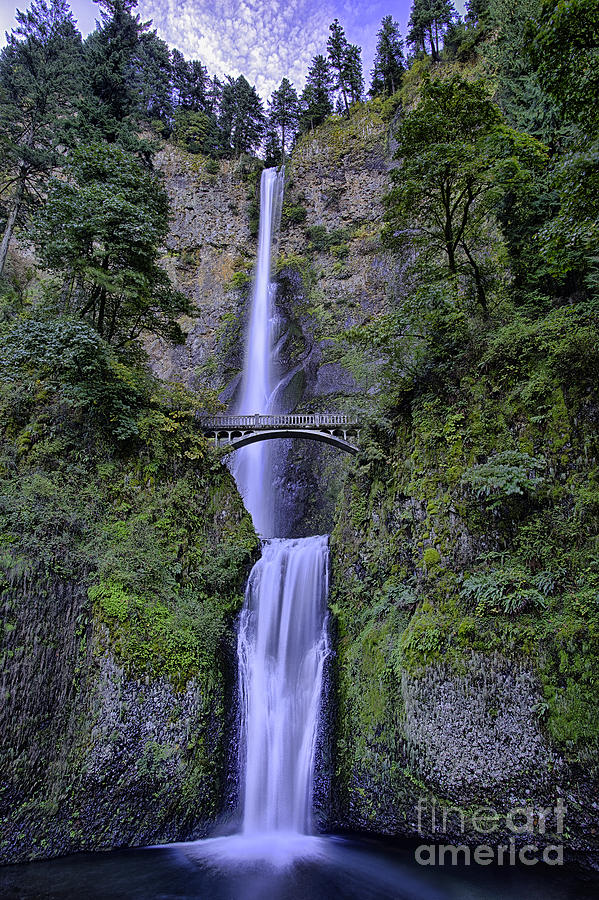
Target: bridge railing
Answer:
[[295, 420]]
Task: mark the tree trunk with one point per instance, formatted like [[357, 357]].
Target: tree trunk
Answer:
[[478, 281], [17, 201], [12, 218], [344, 95]]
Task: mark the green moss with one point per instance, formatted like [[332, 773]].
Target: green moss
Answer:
[[431, 557], [293, 214]]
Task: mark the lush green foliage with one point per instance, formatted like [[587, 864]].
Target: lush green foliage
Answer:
[[458, 161], [100, 230], [471, 523], [106, 481]]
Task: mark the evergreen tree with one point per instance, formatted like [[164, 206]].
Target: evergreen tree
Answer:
[[353, 73], [429, 21], [242, 120], [149, 78], [100, 229], [39, 69], [110, 51], [477, 12], [214, 90], [389, 61], [273, 155], [284, 113], [337, 48], [315, 101], [191, 83], [346, 65]]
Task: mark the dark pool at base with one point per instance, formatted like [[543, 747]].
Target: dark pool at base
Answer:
[[343, 869]]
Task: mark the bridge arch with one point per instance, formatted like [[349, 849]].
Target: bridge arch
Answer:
[[324, 437], [238, 431]]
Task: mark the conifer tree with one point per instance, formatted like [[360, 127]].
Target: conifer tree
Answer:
[[242, 120], [337, 48], [353, 73], [190, 83], [345, 62], [273, 155], [389, 61], [110, 52], [429, 21], [39, 70], [284, 113], [315, 101], [150, 78]]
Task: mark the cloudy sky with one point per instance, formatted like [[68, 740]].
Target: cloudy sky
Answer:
[[263, 39]]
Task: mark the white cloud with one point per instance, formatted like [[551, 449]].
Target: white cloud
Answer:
[[263, 40]]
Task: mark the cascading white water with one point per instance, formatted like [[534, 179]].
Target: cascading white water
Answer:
[[282, 645], [252, 464], [282, 636]]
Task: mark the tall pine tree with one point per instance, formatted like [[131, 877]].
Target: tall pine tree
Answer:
[[346, 66], [284, 113], [39, 71], [389, 60], [315, 102], [242, 120]]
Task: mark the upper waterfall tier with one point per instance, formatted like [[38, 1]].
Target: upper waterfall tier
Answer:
[[252, 469]]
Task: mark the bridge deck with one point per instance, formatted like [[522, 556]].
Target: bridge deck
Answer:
[[239, 431], [295, 420]]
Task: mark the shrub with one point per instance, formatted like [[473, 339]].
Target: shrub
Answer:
[[504, 475], [511, 590], [293, 214]]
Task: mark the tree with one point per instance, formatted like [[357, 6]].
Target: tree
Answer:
[[191, 83], [100, 230], [458, 160], [242, 120], [315, 101], [149, 78], [284, 113], [273, 155], [477, 12], [38, 75], [117, 62], [389, 60], [352, 73], [110, 51], [429, 20], [197, 131], [345, 63]]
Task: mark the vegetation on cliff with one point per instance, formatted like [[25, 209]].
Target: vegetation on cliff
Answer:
[[468, 533], [124, 549]]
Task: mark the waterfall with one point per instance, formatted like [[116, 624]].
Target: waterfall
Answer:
[[252, 466], [282, 645], [282, 636]]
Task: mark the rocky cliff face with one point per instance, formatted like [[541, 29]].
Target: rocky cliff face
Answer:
[[118, 596], [331, 273]]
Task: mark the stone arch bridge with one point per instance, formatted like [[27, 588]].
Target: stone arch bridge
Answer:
[[336, 429]]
